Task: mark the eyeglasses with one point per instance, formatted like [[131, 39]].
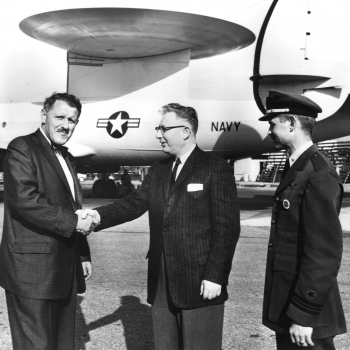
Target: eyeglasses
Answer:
[[164, 129]]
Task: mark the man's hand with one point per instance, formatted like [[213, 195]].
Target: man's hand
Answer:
[[210, 290], [87, 269], [301, 335], [92, 213], [86, 223]]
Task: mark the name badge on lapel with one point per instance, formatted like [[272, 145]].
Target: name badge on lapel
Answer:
[[286, 204], [194, 187]]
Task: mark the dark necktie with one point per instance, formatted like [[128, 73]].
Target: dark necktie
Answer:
[[59, 148], [173, 174]]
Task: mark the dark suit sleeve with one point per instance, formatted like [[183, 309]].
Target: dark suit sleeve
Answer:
[[322, 248], [25, 199], [225, 224], [127, 209], [84, 249]]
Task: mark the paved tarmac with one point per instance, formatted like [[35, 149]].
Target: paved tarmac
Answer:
[[114, 314]]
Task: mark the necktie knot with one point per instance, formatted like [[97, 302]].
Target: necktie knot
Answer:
[[58, 148]]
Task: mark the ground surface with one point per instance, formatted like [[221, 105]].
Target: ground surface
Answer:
[[114, 313]]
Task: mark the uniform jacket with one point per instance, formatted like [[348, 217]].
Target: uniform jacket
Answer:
[[196, 231], [39, 247], [305, 249]]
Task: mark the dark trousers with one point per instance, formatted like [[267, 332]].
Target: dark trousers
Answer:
[[42, 324], [284, 342], [185, 329]]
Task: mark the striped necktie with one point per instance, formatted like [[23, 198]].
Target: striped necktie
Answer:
[[173, 174]]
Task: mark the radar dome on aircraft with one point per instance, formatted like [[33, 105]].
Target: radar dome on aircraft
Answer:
[[135, 33]]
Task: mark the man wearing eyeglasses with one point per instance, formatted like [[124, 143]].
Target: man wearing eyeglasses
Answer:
[[43, 257], [194, 227]]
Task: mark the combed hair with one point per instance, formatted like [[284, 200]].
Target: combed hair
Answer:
[[307, 123], [187, 113], [71, 100]]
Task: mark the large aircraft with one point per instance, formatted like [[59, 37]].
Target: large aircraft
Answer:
[[125, 63]]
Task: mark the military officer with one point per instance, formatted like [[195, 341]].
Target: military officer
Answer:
[[301, 299]]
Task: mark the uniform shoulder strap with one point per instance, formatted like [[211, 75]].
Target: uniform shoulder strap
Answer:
[[320, 162]]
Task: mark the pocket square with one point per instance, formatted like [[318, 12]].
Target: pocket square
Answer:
[[194, 187]]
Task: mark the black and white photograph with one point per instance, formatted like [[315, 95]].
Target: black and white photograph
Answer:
[[175, 175]]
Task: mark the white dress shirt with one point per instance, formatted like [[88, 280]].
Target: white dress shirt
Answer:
[[295, 155], [183, 159], [63, 165]]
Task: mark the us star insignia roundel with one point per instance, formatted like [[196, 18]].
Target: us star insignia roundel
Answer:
[[118, 124]]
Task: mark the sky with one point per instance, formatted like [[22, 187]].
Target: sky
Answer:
[[31, 70]]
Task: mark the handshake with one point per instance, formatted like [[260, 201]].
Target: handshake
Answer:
[[88, 220]]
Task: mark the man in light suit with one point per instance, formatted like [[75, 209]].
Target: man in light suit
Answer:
[[194, 227], [301, 301], [43, 258]]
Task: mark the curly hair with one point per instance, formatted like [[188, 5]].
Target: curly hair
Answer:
[[71, 100]]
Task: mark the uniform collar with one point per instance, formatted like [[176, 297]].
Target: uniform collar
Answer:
[[296, 154], [297, 166]]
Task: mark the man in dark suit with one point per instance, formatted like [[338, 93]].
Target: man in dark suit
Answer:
[[194, 227], [42, 257], [301, 300]]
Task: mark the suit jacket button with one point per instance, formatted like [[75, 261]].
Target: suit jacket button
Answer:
[[277, 199], [270, 244], [273, 222]]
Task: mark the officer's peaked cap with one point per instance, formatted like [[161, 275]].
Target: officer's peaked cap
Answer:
[[280, 102]]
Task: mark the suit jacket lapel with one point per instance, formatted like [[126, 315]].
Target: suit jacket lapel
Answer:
[[297, 166], [166, 176], [46, 149], [187, 168]]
